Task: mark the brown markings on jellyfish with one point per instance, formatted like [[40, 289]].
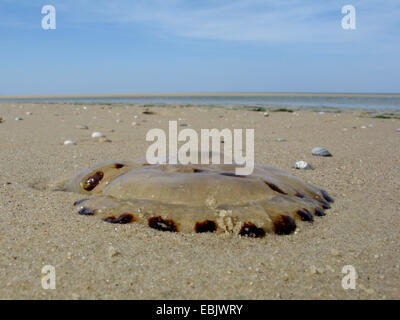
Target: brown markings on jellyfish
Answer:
[[251, 230], [122, 219], [325, 205], [284, 225], [300, 195], [162, 224], [305, 215], [274, 187], [205, 226], [87, 212], [90, 183], [319, 212], [195, 170], [118, 165], [326, 196]]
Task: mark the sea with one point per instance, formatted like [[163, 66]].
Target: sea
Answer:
[[358, 101]]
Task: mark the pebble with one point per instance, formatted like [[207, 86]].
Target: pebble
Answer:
[[18, 119], [320, 151], [98, 135], [314, 270], [112, 252], [363, 127], [102, 140], [367, 290], [281, 140], [303, 165], [82, 126], [183, 125], [398, 130], [69, 142]]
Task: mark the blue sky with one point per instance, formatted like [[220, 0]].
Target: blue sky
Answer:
[[145, 46]]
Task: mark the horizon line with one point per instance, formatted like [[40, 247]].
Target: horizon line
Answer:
[[195, 94]]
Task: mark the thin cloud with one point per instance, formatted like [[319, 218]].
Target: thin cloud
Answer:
[[235, 20]]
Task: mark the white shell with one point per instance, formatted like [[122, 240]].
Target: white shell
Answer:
[[98, 135], [302, 165], [69, 142], [18, 119], [320, 151]]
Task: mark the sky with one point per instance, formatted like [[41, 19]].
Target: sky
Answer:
[[159, 46]]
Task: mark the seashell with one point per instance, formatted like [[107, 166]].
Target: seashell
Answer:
[[69, 142], [29, 113], [98, 135], [266, 114], [281, 140], [303, 165], [18, 119], [81, 126], [363, 127], [320, 151]]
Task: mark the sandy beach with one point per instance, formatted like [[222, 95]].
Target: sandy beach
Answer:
[[98, 260]]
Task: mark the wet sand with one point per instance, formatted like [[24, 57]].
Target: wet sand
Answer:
[[93, 259]]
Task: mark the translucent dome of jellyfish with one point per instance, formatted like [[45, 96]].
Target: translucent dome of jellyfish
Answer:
[[198, 197]]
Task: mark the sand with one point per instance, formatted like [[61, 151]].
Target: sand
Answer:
[[97, 260]]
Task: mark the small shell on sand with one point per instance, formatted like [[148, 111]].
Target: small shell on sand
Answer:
[[98, 135], [281, 140], [81, 126], [320, 151], [266, 114], [302, 165], [69, 142], [29, 113], [18, 119]]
